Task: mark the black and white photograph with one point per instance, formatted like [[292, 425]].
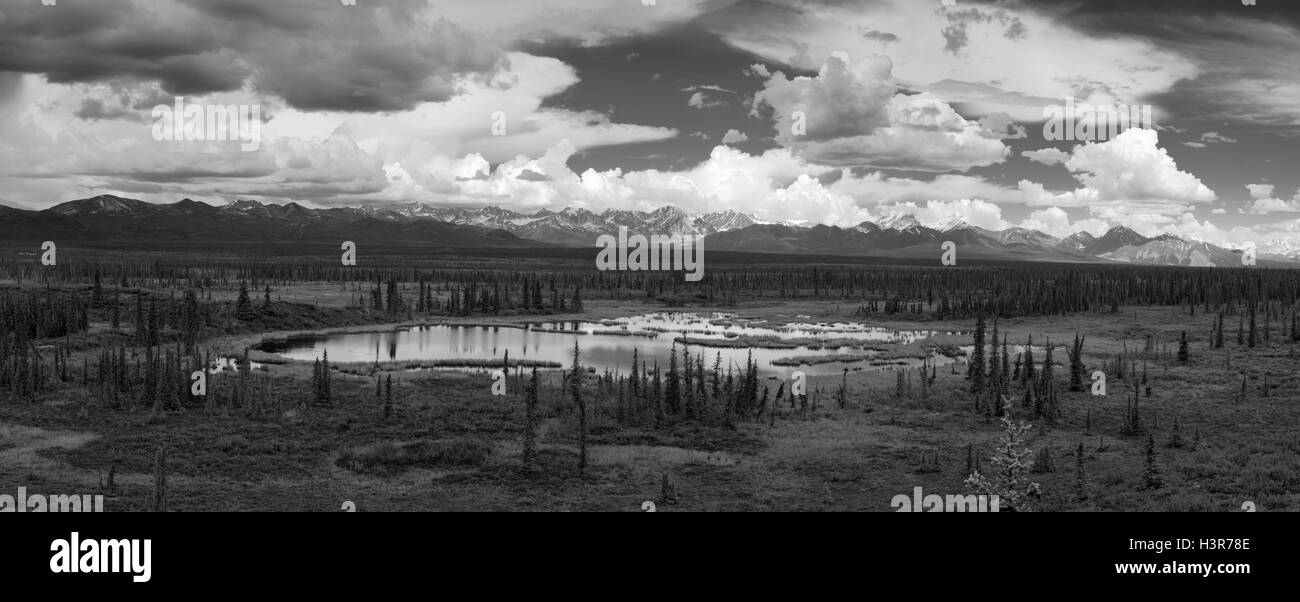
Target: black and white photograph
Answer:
[[683, 256]]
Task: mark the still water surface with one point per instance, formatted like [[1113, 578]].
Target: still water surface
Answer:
[[608, 344]]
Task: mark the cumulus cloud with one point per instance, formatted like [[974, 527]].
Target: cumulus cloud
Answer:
[[1002, 125], [1132, 166], [1053, 221], [1260, 191], [734, 137], [1056, 222], [399, 53], [960, 20], [48, 156], [876, 35], [1067, 60], [1129, 178], [1264, 203], [852, 114], [942, 214], [1046, 156], [1209, 138], [774, 185], [701, 100], [874, 188], [1216, 138]]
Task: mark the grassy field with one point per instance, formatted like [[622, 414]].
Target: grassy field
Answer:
[[450, 445]]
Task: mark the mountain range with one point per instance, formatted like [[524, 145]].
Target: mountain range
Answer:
[[112, 218], [897, 235]]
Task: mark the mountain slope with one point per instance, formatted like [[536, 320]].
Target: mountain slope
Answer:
[[108, 218]]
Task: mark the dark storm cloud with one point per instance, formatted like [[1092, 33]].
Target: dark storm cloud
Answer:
[[314, 193], [958, 20], [189, 174], [94, 110], [10, 83], [1106, 14], [529, 175], [690, 59], [135, 187], [315, 55], [879, 36]]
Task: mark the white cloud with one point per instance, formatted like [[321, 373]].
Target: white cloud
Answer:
[[1267, 206], [975, 212], [1132, 166], [874, 188], [1124, 179], [700, 100], [1264, 202], [1055, 221], [855, 116], [774, 185], [1053, 59], [1046, 156], [1260, 191], [591, 22], [940, 214], [1216, 138], [734, 137], [305, 156]]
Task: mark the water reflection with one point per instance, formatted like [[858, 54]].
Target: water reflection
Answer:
[[610, 344]]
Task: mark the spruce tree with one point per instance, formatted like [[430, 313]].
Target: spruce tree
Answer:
[[388, 397], [995, 364], [672, 390], [1151, 478], [1028, 372], [1045, 397], [1076, 363], [1218, 333], [975, 371], [1250, 342], [159, 501], [243, 306], [1080, 475], [530, 424], [634, 381], [576, 386], [1009, 477], [717, 377]]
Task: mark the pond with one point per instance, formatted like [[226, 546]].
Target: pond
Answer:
[[816, 349]]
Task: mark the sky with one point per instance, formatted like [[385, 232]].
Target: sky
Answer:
[[811, 111]]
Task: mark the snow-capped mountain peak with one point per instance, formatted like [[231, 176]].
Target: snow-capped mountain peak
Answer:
[[899, 221]]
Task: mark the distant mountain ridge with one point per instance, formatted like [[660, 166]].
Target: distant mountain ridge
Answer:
[[898, 235], [575, 227], [108, 217]]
